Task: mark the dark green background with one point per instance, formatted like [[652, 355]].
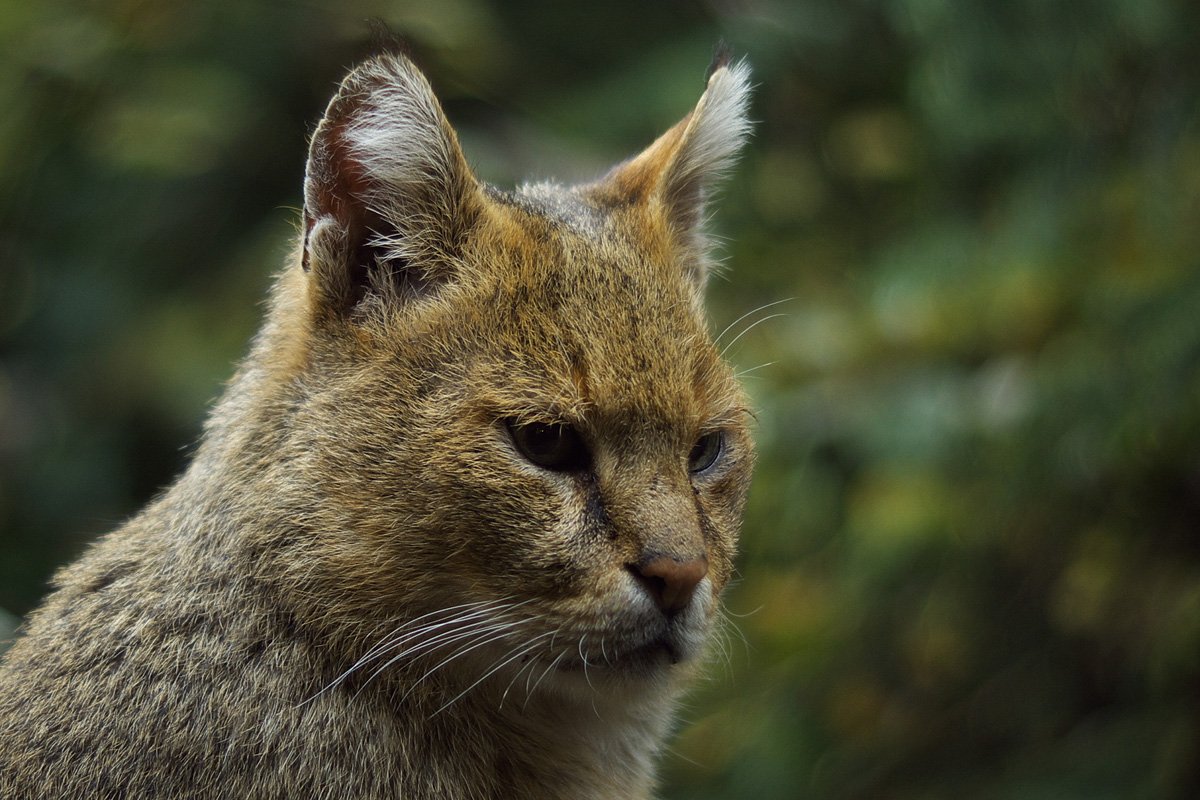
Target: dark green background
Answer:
[[971, 563]]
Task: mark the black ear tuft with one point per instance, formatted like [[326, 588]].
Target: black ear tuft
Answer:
[[385, 41], [722, 57]]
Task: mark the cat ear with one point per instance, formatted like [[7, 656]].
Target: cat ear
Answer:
[[676, 175], [388, 195]]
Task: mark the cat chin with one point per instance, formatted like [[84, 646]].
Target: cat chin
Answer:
[[639, 676]]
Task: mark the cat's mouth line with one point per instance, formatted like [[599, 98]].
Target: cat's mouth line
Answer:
[[659, 652]]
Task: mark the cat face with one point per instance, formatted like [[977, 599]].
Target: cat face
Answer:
[[535, 441]]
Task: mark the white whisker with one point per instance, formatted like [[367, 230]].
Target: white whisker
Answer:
[[748, 328], [490, 634], [717, 339], [466, 621], [520, 651], [746, 372], [475, 619], [529, 692], [464, 626], [725, 628], [528, 665]]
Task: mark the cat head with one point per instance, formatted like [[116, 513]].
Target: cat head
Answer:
[[515, 423]]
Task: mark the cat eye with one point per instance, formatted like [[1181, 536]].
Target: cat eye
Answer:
[[550, 446], [706, 451]]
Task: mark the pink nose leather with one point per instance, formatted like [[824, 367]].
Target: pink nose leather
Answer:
[[671, 582]]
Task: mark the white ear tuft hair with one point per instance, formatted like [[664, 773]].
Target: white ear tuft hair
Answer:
[[715, 134], [400, 136], [676, 175]]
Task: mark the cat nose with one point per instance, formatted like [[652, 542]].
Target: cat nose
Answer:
[[671, 581]]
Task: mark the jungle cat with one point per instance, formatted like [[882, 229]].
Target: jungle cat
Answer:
[[460, 524]]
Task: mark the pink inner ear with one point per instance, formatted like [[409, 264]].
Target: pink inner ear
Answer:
[[337, 183]]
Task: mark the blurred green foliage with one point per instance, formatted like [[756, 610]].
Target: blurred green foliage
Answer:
[[971, 561]]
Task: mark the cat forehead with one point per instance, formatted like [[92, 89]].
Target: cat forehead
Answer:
[[583, 317], [556, 255]]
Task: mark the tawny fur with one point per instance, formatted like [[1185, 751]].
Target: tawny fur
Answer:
[[361, 587]]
